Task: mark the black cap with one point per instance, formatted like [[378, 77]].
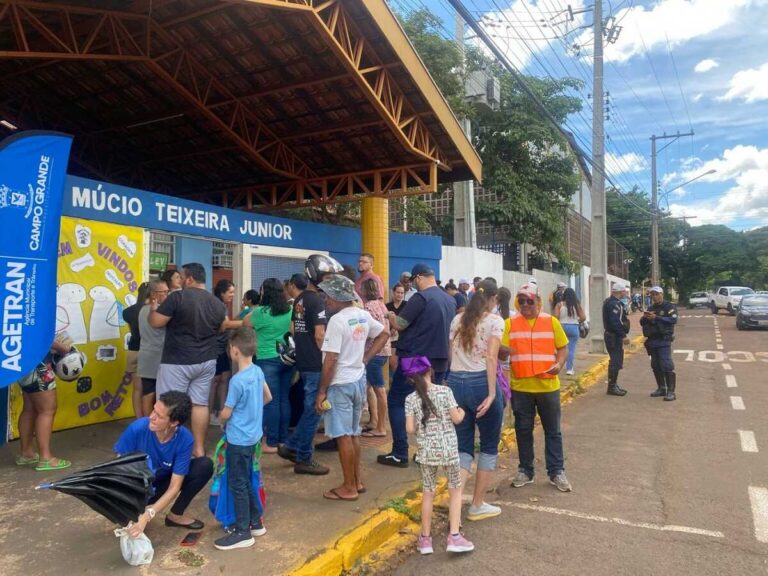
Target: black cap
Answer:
[[421, 270]]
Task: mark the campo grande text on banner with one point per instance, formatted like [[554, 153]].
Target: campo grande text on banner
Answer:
[[33, 166]]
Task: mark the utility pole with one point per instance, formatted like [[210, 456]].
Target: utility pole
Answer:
[[655, 264], [598, 282], [464, 227]]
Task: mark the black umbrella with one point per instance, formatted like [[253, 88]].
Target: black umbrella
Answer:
[[117, 489]]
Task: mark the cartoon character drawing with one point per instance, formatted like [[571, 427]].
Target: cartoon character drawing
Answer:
[[69, 312], [105, 319]]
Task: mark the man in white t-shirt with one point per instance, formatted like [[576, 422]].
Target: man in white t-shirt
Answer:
[[343, 377]]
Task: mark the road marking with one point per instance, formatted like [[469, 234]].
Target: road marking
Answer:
[[758, 498], [719, 346], [622, 522], [737, 403], [727, 367], [730, 381], [748, 441]]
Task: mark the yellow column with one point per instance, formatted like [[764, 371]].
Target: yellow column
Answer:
[[375, 228]]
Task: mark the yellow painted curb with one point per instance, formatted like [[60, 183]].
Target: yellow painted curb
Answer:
[[388, 531]]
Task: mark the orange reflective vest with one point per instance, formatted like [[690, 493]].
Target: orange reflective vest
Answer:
[[532, 348]]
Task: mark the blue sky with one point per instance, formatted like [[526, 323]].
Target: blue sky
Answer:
[[678, 65]]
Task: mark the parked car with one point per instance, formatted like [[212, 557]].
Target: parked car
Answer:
[[753, 311], [728, 298], [698, 299]]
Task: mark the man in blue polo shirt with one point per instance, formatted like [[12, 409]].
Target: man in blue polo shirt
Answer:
[[423, 326]]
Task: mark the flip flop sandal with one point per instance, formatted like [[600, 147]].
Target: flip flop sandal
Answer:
[[370, 434], [333, 494], [45, 465], [24, 461]]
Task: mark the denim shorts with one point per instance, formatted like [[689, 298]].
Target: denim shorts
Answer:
[[375, 371], [343, 419]]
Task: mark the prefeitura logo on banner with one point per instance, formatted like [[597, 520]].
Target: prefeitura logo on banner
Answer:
[[33, 168]]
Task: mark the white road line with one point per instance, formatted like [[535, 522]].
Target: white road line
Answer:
[[719, 346], [726, 367], [622, 522], [730, 381], [737, 403], [758, 498], [748, 441]]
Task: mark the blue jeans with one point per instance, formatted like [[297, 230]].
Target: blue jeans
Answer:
[[277, 414], [398, 392], [239, 466], [470, 389], [572, 331], [304, 434], [524, 406]]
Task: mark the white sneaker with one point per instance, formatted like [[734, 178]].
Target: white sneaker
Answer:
[[569, 372], [482, 512]]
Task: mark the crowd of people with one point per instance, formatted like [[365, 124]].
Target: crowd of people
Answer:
[[456, 355]]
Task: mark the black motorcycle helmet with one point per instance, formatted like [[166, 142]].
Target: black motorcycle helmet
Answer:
[[318, 265]]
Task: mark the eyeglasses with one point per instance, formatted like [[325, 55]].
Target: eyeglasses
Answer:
[[160, 291], [526, 302]]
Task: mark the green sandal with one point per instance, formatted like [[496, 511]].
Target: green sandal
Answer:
[[45, 465], [24, 461]]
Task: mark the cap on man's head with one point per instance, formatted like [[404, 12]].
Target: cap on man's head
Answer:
[[532, 280], [464, 281], [562, 285], [530, 290], [421, 270], [618, 287], [658, 289], [339, 288]]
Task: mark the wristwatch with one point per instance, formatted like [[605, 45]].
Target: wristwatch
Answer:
[[151, 511]]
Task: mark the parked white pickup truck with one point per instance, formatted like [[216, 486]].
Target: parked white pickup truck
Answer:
[[728, 298]]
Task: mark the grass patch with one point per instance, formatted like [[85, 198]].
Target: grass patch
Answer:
[[399, 505], [189, 558]]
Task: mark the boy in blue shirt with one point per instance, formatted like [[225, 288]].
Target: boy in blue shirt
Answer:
[[241, 419]]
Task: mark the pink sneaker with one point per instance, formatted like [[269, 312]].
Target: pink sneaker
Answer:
[[459, 544], [424, 545]]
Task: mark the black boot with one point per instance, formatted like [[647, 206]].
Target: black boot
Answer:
[[613, 387], [661, 387], [671, 379]]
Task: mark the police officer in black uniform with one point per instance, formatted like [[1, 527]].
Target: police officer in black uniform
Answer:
[[616, 326], [658, 324]]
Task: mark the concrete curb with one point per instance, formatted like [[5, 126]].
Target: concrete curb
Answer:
[[387, 531]]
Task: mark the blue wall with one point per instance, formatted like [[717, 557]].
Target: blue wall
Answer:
[[193, 250]]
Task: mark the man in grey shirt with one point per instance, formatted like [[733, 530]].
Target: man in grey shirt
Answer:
[[193, 317]]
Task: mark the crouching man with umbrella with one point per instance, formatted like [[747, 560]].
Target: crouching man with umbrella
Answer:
[[178, 476]]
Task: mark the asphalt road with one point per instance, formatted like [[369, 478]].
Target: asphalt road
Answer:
[[659, 487]]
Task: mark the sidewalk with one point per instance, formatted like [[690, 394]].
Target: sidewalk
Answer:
[[45, 533]]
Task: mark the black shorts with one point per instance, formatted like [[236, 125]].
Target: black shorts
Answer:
[[223, 364], [148, 386]]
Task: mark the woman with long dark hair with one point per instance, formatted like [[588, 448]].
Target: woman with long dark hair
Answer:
[[570, 313], [224, 291], [271, 319], [474, 336]]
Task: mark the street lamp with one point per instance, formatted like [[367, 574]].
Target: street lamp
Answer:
[[655, 264]]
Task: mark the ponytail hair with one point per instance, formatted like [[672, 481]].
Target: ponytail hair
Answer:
[[474, 312], [419, 382]]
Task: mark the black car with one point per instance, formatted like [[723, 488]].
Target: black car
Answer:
[[753, 311]]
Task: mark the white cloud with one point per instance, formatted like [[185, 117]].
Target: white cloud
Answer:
[[676, 21], [629, 163], [749, 85], [746, 169], [698, 97], [706, 65]]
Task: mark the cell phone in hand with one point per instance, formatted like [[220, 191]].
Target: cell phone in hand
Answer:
[[190, 539]]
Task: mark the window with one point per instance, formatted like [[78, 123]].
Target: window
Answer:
[[723, 292], [160, 243]]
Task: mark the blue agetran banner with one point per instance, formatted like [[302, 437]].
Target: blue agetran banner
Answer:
[[33, 166]]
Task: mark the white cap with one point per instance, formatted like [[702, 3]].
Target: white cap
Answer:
[[619, 287], [562, 285], [464, 281], [658, 289], [532, 280]]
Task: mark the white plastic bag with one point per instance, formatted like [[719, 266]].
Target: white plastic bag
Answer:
[[136, 551]]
